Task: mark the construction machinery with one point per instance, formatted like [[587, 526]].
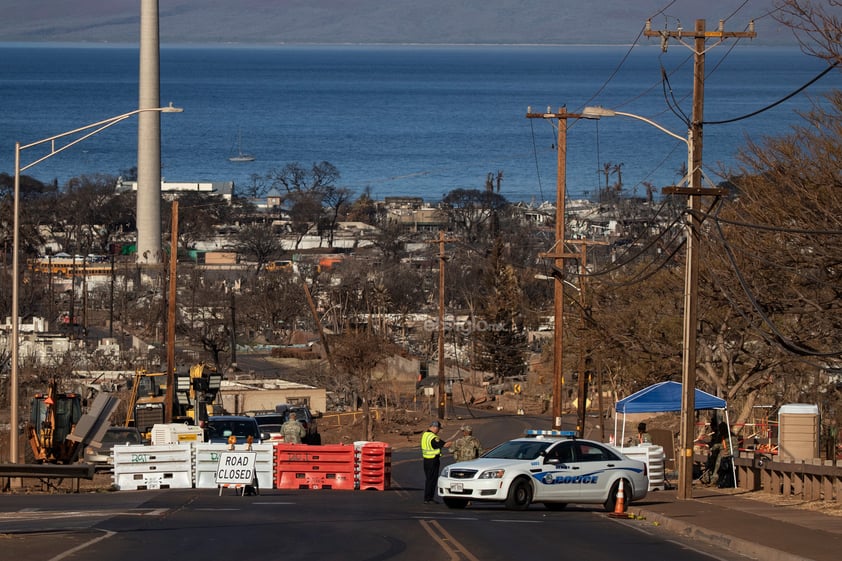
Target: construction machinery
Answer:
[[53, 417], [194, 394], [146, 401]]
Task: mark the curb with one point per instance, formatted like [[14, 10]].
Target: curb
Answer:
[[724, 541]]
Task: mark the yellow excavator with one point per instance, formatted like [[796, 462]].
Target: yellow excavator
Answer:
[[146, 401], [194, 396]]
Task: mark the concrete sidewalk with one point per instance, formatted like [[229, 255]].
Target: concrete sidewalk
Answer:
[[727, 518]]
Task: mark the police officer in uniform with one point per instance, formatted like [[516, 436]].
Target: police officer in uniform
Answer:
[[431, 447]]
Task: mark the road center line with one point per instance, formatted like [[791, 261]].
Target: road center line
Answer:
[[82, 546], [454, 549]]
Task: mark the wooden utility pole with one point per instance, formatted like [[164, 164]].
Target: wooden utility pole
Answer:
[[72, 324], [694, 191], [315, 312], [233, 331], [442, 411], [85, 298], [582, 400], [558, 255], [442, 393], [110, 297], [602, 417], [173, 281]]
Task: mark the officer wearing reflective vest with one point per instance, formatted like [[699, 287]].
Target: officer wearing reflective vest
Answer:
[[431, 447]]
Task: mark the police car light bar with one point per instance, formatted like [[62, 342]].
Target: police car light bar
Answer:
[[550, 432]]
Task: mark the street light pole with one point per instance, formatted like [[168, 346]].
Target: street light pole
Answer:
[[13, 345], [694, 191], [691, 281], [55, 147]]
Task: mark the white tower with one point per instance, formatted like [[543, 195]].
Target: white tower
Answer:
[[149, 251]]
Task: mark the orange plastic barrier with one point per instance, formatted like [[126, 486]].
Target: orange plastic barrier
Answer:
[[299, 466], [315, 480], [374, 463]]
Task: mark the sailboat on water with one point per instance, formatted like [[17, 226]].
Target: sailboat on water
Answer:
[[240, 156]]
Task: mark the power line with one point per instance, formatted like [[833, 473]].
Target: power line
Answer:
[[623, 261], [625, 57], [669, 98], [736, 11], [775, 104], [783, 340], [535, 155], [770, 228], [616, 69]]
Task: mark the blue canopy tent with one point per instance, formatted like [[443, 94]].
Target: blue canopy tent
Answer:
[[664, 397]]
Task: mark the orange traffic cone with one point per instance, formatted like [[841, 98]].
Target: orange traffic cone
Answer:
[[620, 503]]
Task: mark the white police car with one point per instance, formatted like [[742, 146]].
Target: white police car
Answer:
[[550, 467]]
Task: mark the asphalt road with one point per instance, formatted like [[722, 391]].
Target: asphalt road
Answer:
[[322, 525]]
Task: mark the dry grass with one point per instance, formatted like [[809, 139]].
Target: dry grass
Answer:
[[830, 507]]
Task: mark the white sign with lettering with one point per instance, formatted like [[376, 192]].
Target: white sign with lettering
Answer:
[[236, 468]]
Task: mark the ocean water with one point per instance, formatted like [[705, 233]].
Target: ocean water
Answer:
[[402, 120]]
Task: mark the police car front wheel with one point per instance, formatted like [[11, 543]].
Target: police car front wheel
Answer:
[[520, 494]]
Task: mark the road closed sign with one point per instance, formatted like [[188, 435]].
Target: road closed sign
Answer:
[[236, 468]]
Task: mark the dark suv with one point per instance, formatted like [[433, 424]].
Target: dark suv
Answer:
[[302, 414], [221, 427]]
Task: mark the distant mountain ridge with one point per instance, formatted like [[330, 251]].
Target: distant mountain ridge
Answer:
[[376, 21]]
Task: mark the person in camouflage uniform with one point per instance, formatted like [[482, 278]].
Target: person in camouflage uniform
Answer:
[[292, 430], [467, 447]]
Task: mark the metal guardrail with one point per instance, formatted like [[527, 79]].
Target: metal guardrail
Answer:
[[47, 472]]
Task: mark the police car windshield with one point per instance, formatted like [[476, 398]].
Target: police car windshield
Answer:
[[519, 450]]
